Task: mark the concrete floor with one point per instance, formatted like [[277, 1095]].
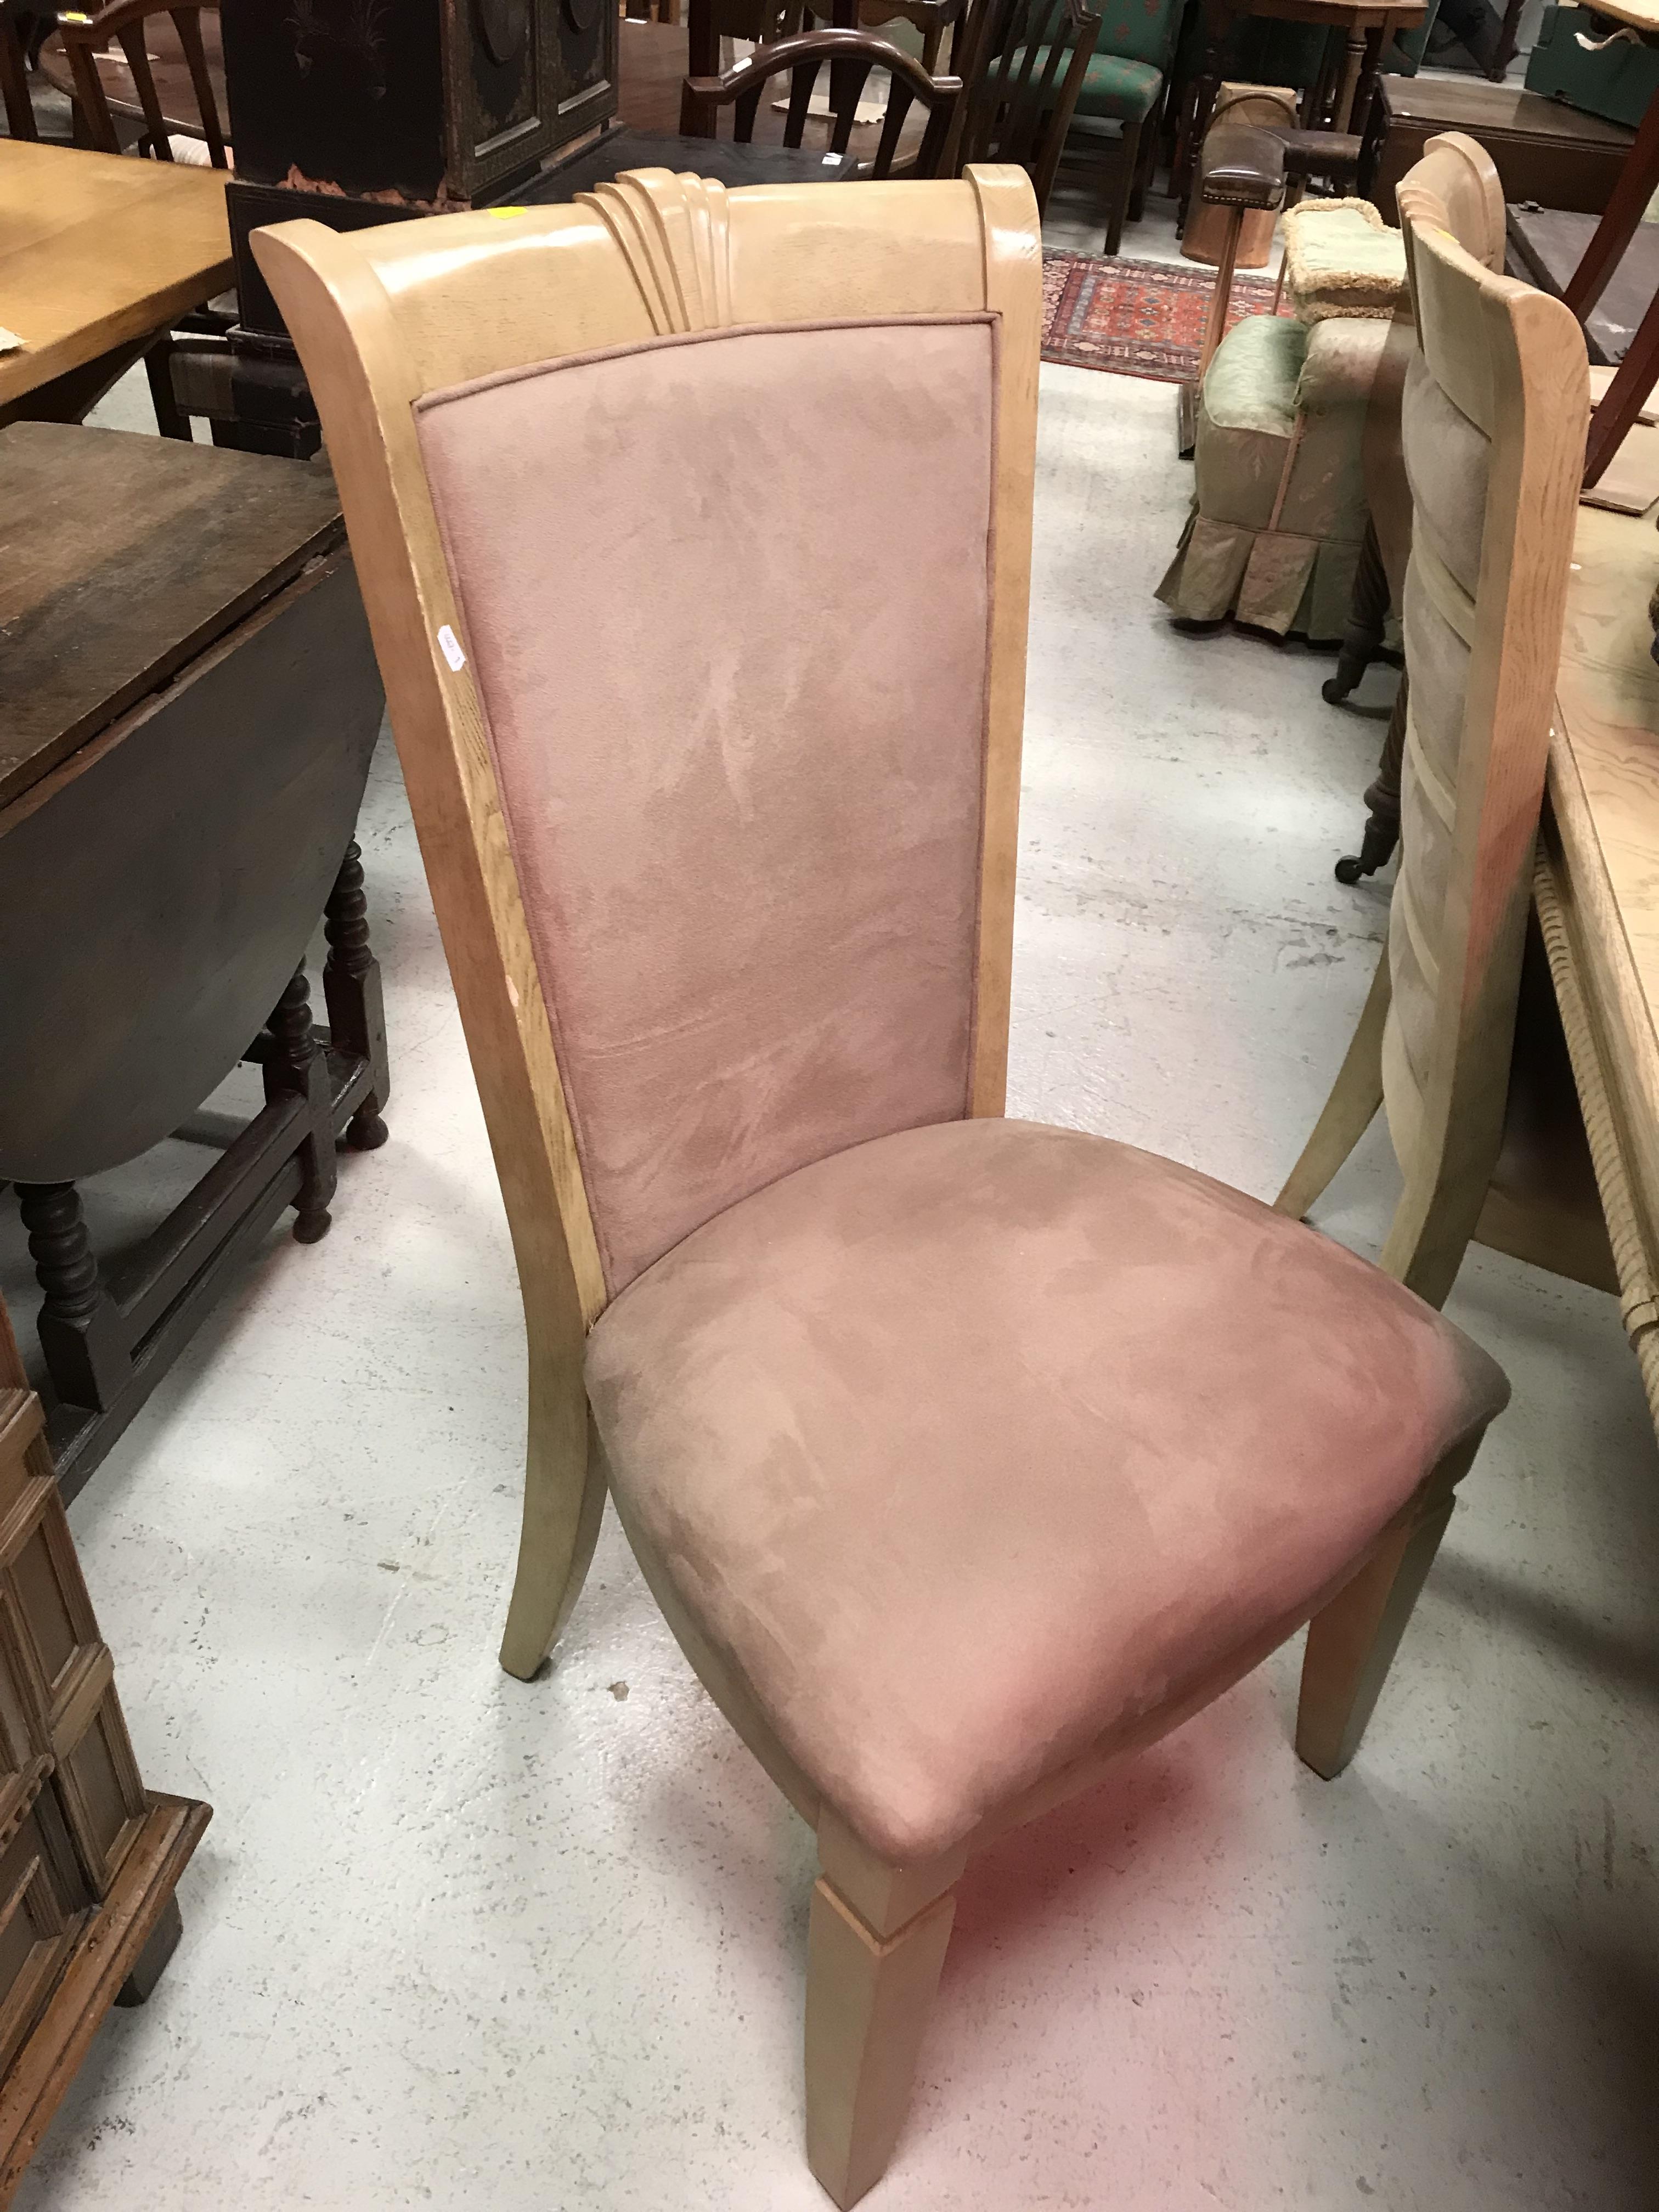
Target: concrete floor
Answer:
[[457, 1942]]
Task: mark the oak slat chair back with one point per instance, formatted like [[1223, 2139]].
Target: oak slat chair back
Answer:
[[86, 36], [1494, 413], [851, 56], [1023, 64], [729, 910]]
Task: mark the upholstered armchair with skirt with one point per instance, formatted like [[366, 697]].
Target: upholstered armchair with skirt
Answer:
[[1279, 495], [964, 1454]]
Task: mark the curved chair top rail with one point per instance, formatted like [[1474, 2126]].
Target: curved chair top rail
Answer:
[[1455, 183], [383, 317]]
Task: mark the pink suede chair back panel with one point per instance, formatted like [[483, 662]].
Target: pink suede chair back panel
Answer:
[[726, 600]]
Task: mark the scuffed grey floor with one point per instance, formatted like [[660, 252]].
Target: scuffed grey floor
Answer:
[[454, 1941]]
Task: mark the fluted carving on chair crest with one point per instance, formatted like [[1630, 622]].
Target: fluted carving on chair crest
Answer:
[[674, 232]]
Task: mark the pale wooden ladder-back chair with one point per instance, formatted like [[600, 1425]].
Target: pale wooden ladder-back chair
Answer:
[[962, 1455], [1493, 417]]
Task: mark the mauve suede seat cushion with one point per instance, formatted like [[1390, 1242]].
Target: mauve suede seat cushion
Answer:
[[971, 1445]]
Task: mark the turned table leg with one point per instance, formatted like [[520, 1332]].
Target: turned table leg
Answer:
[[351, 988], [296, 1066], [81, 1330], [1368, 616], [1383, 797]]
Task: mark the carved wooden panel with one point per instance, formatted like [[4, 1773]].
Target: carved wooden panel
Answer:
[[433, 104], [58, 1692]]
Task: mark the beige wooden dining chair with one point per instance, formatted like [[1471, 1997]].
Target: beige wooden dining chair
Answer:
[[962, 1455], [1495, 405]]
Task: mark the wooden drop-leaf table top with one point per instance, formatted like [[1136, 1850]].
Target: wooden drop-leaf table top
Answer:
[[1602, 852], [100, 249], [121, 559]]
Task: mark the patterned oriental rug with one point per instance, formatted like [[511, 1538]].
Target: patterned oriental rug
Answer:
[[1135, 318]]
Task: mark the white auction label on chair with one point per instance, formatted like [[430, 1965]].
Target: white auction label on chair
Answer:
[[450, 646]]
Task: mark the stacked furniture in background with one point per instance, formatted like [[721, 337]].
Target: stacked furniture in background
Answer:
[[1255, 156], [1026, 63], [1241, 189], [1119, 98], [850, 56], [1278, 514], [1544, 150], [947, 1508]]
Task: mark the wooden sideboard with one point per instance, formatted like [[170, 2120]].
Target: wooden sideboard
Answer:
[[88, 1857], [1597, 891]]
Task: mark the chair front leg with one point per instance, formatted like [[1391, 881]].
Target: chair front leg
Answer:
[[872, 1969], [1352, 1642]]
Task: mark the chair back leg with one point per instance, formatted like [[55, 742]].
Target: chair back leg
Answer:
[[1350, 1109], [564, 1492]]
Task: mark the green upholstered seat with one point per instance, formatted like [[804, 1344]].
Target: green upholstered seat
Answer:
[[1125, 71], [1117, 89]]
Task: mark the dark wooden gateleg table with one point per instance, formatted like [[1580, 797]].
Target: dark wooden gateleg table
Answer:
[[188, 700]]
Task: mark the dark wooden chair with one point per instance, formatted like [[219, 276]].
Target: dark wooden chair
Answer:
[[191, 370], [24, 28], [14, 80], [1023, 64], [852, 56], [762, 21], [933, 18], [86, 37]]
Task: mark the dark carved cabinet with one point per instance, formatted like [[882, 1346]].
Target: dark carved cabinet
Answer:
[[88, 1858], [434, 104]]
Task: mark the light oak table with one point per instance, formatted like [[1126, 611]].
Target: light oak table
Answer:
[[97, 254], [1597, 890]]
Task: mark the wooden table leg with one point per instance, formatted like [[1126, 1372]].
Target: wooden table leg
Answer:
[[1382, 800], [1625, 397], [1219, 19], [1507, 37], [1353, 61], [1625, 205], [1365, 97]]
